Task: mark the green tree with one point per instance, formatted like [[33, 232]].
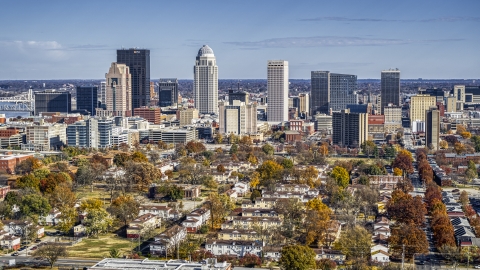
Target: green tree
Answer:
[[97, 221], [34, 206], [369, 148], [233, 149], [297, 257], [355, 243], [269, 173], [29, 181], [114, 253], [287, 163], [340, 175], [471, 173], [268, 149]]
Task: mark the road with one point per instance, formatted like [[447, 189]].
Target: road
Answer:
[[61, 262]]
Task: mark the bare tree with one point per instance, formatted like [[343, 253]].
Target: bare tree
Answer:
[[51, 252]]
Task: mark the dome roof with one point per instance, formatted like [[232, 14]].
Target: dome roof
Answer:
[[205, 51]]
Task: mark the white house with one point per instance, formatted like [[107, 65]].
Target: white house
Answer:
[[168, 239], [53, 217], [380, 256], [234, 247], [241, 188], [382, 230], [143, 224], [161, 211], [196, 219], [10, 242]]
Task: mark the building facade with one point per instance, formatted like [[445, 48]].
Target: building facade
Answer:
[[205, 81], [152, 115], [238, 118], [83, 133], [53, 101], [332, 91], [390, 88], [419, 104], [185, 116], [432, 130], [45, 137], [349, 129], [138, 61], [240, 95], [87, 98], [168, 92], [119, 91], [277, 90]]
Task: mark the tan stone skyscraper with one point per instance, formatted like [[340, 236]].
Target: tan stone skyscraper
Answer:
[[277, 90], [118, 91], [205, 81]]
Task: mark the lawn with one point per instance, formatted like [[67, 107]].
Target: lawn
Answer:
[[100, 247]]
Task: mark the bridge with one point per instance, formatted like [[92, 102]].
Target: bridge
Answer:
[[23, 102]]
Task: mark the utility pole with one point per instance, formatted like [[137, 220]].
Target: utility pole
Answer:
[[403, 256]]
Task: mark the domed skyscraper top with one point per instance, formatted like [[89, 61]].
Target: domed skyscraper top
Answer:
[[205, 51]]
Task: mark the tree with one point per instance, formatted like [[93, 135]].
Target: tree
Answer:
[[218, 138], [28, 165], [154, 156], [97, 221], [287, 163], [233, 149], [200, 255], [443, 144], [221, 168], [51, 252], [62, 197], [411, 236], [195, 147], [459, 148], [403, 161], [269, 173], [120, 159], [34, 206], [29, 181], [219, 206], [476, 141], [124, 209], [397, 172], [404, 208], [254, 179], [317, 221], [464, 198], [471, 172], [310, 176], [355, 243], [268, 149], [250, 260], [142, 174], [67, 219], [369, 148], [114, 253], [297, 257], [341, 177], [326, 264], [91, 204], [255, 194]]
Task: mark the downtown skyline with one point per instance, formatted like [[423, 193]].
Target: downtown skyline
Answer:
[[59, 40]]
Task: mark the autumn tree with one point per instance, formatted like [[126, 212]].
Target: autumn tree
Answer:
[[404, 208], [28, 181], [293, 212], [310, 176], [317, 221], [28, 165], [219, 206], [464, 200], [221, 168], [355, 243], [51, 252], [268, 149], [443, 144], [471, 173], [270, 172], [297, 257], [124, 209], [411, 236], [369, 148], [250, 260], [403, 161], [97, 221], [341, 177], [459, 148], [142, 174], [195, 147], [397, 172]]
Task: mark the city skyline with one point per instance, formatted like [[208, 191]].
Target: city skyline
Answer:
[[349, 37]]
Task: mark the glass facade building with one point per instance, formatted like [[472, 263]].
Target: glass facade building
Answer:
[[53, 101], [168, 92], [390, 88], [332, 91], [138, 60], [87, 98]]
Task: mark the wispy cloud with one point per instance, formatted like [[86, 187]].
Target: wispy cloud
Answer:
[[346, 19], [324, 41]]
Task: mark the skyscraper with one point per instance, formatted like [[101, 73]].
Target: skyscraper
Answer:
[[390, 88], [349, 129], [167, 92], [118, 92], [432, 123], [332, 91], [87, 98], [205, 81], [53, 101], [238, 118], [138, 60], [419, 104], [102, 94], [277, 90]]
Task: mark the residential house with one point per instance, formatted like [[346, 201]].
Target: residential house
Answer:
[[196, 219], [168, 239], [234, 234], [161, 211], [334, 255], [20, 227], [143, 224], [10, 242], [380, 256], [261, 202], [256, 212], [241, 188], [53, 217], [249, 222], [236, 248]]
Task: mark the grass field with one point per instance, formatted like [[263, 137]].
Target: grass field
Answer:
[[100, 247]]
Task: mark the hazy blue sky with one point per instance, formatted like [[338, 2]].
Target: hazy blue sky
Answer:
[[78, 39]]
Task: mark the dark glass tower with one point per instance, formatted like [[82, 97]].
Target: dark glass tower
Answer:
[[168, 92], [87, 98], [332, 91], [53, 101], [390, 88], [138, 60]]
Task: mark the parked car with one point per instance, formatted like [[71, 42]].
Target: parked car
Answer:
[[38, 240], [15, 254], [34, 248]]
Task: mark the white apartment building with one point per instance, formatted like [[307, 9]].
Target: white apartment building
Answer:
[[205, 82], [419, 104], [238, 118], [45, 137], [277, 90]]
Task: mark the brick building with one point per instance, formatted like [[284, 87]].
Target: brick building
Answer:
[[152, 115]]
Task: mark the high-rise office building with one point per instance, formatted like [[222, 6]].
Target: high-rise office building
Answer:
[[419, 104], [119, 91], [240, 95], [302, 103], [432, 130], [349, 129], [277, 90], [390, 88], [185, 116], [87, 98], [138, 60], [168, 92], [53, 101], [238, 118], [105, 132], [332, 91], [205, 81]]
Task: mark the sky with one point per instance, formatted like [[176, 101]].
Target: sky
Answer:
[[78, 39]]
